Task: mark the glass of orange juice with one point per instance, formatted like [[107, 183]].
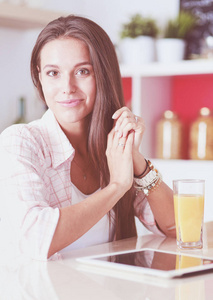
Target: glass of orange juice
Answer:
[[189, 212]]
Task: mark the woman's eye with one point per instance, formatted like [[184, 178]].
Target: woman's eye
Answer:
[[52, 73], [82, 72]]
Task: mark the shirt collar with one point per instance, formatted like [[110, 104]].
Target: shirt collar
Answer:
[[58, 143]]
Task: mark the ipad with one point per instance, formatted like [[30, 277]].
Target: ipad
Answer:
[[149, 262]]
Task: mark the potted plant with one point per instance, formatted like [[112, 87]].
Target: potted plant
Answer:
[[171, 47], [138, 40]]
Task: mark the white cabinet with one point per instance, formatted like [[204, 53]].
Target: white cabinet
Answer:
[[152, 89], [24, 17]]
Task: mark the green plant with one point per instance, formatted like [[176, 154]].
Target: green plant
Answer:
[[181, 26], [138, 26]]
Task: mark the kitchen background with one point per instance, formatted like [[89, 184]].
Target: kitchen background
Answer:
[[16, 44], [152, 89]]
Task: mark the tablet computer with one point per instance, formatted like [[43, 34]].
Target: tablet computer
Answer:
[[149, 262]]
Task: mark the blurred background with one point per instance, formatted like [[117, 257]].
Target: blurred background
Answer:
[[167, 72], [17, 40]]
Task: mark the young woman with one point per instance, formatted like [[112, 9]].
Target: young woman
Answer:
[[76, 177]]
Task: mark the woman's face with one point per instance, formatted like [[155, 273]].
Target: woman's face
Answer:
[[67, 79]]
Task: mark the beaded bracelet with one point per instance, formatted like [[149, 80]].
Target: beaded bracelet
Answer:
[[149, 182], [150, 188]]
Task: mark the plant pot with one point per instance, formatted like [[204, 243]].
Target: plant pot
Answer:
[[139, 50], [170, 50]]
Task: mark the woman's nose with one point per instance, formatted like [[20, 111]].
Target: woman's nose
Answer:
[[69, 86]]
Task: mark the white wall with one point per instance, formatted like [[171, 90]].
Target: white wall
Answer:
[[110, 14], [15, 49], [16, 45]]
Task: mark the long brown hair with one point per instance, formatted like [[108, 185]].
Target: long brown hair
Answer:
[[109, 98]]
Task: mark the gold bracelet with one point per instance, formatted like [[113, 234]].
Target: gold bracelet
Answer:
[[153, 187]]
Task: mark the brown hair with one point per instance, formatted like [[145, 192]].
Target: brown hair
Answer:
[[109, 98]]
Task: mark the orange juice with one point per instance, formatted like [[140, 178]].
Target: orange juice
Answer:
[[189, 210]]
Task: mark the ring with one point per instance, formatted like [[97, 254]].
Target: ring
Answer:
[[136, 119], [120, 144]]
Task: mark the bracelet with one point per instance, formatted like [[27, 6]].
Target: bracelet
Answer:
[[147, 165], [150, 188], [150, 181]]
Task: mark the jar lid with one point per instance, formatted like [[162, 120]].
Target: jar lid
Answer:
[[205, 111], [169, 114]]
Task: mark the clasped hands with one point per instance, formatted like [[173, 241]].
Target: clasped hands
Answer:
[[123, 146]]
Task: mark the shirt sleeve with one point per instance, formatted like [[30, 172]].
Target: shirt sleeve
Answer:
[[25, 211], [144, 213]]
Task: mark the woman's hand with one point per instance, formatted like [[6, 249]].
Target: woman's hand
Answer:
[[126, 121], [119, 158]]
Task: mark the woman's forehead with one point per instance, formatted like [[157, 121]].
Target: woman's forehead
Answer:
[[65, 49]]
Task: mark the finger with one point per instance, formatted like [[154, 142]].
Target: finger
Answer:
[[142, 124], [129, 127], [118, 139], [129, 142], [119, 112], [121, 144], [127, 124], [110, 138], [115, 140], [125, 115], [123, 119], [130, 123]]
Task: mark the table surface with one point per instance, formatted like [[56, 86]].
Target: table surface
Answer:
[[68, 279]]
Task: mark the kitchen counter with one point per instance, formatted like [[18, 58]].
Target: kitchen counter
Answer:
[[68, 279]]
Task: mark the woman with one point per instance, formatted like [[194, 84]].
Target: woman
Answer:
[[70, 176]]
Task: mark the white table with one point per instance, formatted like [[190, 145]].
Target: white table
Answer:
[[67, 279]]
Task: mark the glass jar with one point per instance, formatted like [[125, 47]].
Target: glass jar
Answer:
[[201, 136], [169, 134]]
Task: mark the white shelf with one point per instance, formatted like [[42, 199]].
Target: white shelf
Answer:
[[24, 17], [151, 91], [187, 67]]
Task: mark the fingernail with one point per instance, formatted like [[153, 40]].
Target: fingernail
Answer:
[[114, 116]]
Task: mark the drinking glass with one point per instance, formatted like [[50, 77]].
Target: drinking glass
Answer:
[[189, 212]]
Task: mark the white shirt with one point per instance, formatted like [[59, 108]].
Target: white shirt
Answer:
[[35, 162]]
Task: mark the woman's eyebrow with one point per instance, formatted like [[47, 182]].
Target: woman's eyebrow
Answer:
[[83, 63], [50, 66], [77, 65]]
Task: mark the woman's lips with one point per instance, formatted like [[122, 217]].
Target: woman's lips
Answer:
[[70, 103]]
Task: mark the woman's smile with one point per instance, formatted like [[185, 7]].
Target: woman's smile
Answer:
[[70, 102]]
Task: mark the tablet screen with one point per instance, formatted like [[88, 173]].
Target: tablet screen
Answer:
[[156, 260], [152, 262]]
